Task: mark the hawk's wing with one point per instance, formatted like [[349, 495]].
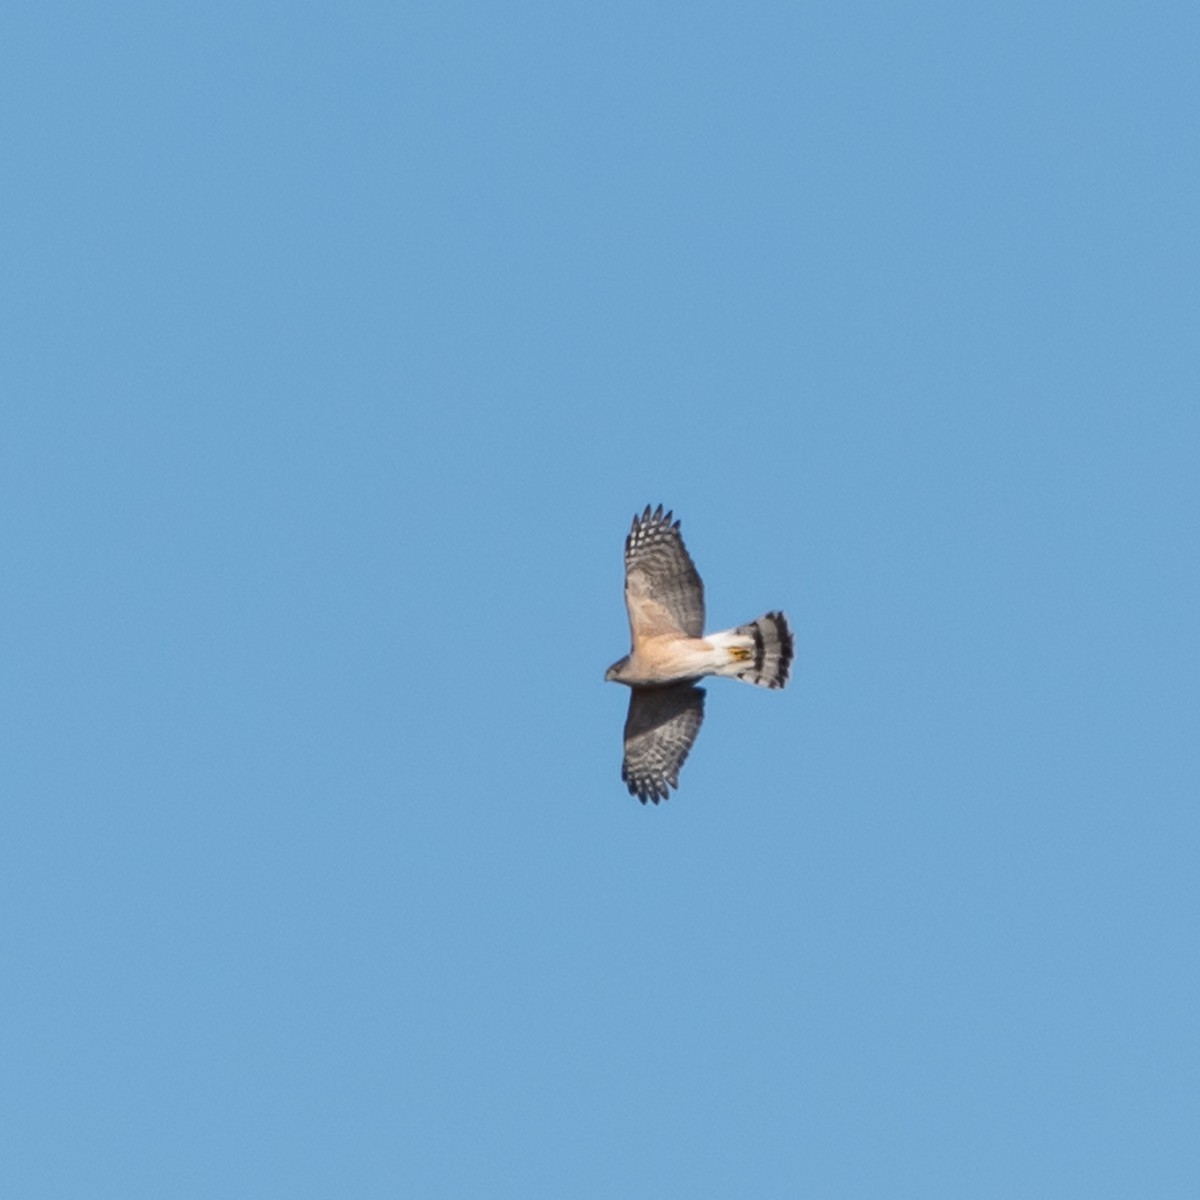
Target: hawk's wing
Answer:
[[659, 731], [662, 590]]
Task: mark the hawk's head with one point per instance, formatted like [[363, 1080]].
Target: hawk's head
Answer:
[[614, 672]]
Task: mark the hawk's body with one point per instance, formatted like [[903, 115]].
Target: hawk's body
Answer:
[[665, 599]]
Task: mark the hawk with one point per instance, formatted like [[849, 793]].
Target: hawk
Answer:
[[670, 651]]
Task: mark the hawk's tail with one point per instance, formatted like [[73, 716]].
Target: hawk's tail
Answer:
[[759, 653]]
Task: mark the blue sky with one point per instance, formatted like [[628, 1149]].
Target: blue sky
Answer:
[[341, 344]]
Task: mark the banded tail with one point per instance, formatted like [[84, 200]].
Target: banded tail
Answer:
[[760, 653]]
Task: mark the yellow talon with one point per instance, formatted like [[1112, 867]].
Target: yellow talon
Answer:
[[740, 653]]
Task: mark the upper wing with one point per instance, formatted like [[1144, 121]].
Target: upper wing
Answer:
[[663, 593], [659, 731]]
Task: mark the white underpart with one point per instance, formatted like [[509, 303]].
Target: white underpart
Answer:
[[723, 643], [665, 659]]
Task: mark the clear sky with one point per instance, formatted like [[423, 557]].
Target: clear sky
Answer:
[[341, 342]]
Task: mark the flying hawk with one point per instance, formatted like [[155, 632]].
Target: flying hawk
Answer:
[[670, 651]]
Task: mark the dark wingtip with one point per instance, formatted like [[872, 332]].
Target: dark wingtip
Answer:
[[648, 791], [654, 516]]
